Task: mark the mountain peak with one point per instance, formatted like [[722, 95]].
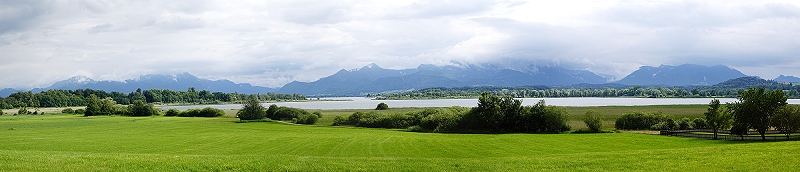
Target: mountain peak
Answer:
[[685, 74]]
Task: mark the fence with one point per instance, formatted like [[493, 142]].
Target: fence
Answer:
[[773, 135]]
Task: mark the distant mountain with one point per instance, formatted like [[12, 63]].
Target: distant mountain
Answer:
[[754, 82], [180, 81], [374, 79], [687, 74], [787, 79], [7, 91]]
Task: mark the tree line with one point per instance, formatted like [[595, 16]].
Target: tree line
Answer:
[[80, 97], [792, 91], [757, 110]]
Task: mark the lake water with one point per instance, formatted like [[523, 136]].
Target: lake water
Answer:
[[366, 103]]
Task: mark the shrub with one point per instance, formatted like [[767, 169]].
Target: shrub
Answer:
[[139, 108], [68, 111], [80, 111], [639, 120], [251, 110], [306, 119], [699, 123], [382, 106], [684, 124], [172, 112], [211, 112], [668, 124], [287, 113], [318, 114], [593, 121], [205, 112]]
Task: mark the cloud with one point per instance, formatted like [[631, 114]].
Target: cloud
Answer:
[[271, 43]]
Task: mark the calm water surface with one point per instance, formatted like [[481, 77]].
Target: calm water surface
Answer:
[[366, 103]]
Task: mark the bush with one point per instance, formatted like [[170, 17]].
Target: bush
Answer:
[[68, 111], [139, 108], [639, 120], [172, 112], [382, 106], [287, 113], [306, 119], [80, 111], [205, 112], [699, 123], [593, 121], [684, 124], [251, 110], [668, 124]]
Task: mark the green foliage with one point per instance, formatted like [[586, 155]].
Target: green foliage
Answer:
[[139, 108], [251, 110], [382, 106], [668, 124], [787, 120], [205, 112], [68, 111], [81, 97], [23, 111], [107, 106], [684, 124], [756, 107], [592, 120], [306, 119], [699, 123], [172, 112], [717, 118], [641, 121], [80, 111]]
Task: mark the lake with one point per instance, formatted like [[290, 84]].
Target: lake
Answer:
[[366, 103]]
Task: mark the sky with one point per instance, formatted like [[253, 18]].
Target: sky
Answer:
[[271, 43]]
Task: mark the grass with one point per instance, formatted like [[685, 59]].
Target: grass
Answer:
[[75, 143]]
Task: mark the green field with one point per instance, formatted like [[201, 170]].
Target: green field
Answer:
[[76, 143]]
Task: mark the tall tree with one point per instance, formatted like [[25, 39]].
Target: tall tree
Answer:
[[756, 107], [717, 118], [94, 106], [251, 110], [787, 120]]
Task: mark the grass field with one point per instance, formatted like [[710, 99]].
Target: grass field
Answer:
[[76, 143]]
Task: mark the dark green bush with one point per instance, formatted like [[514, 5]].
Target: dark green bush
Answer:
[[684, 124], [382, 106], [80, 111], [172, 112], [699, 123], [639, 120], [68, 111], [306, 119], [593, 121], [205, 112]]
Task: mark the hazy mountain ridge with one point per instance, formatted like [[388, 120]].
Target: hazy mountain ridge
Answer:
[[682, 75], [181, 81], [374, 79]]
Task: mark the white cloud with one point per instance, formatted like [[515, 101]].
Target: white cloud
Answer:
[[271, 43]]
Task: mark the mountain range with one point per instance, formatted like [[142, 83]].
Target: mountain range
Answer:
[[375, 79], [181, 81]]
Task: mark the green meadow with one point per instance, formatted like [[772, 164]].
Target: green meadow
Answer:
[[116, 143]]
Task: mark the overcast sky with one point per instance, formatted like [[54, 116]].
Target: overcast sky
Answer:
[[271, 43]]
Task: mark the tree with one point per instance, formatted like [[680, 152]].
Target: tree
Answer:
[[593, 121], [139, 108], [251, 110], [756, 107], [717, 118], [93, 107], [787, 120], [382, 106]]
